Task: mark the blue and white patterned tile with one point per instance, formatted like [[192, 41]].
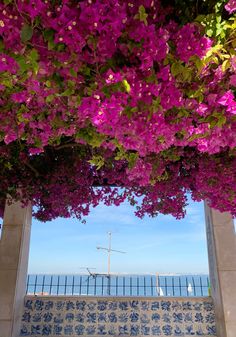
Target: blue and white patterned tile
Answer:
[[166, 305], [156, 330], [80, 305], [102, 317], [37, 317], [112, 331], [68, 330], [48, 305], [199, 331], [145, 330], [101, 330], [70, 305], [144, 318], [124, 305], [112, 305], [112, 317], [57, 329], [167, 317], [123, 317], [123, 330], [79, 329], [79, 318], [199, 317], [187, 305], [156, 317], [134, 330], [155, 306], [39, 305], [69, 318], [197, 306], [58, 318], [60, 305], [144, 305], [210, 318], [91, 306], [176, 306], [46, 330], [29, 304], [47, 317], [117, 317], [134, 305], [91, 330], [208, 306], [189, 330], [36, 330], [134, 317], [211, 330], [26, 317], [178, 331], [167, 330], [178, 317], [102, 305], [24, 331], [188, 317], [91, 317]]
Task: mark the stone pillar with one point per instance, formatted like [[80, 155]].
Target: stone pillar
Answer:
[[14, 252], [221, 240]]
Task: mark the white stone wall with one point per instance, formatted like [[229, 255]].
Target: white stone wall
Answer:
[[117, 316]]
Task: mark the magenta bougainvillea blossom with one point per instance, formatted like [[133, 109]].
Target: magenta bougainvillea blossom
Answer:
[[231, 6], [102, 94]]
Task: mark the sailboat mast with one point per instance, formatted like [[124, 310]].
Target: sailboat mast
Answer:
[[109, 253]]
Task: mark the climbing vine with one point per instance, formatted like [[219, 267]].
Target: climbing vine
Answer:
[[102, 94]]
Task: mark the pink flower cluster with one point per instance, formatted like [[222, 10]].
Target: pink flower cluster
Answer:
[[231, 6], [190, 43], [118, 86]]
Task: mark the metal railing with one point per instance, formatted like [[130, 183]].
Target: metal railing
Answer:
[[119, 285]]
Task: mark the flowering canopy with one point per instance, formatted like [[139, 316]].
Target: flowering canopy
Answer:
[[99, 93]]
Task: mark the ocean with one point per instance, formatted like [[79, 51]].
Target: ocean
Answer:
[[119, 285]]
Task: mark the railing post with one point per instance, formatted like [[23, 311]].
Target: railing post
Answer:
[[221, 240], [14, 252]]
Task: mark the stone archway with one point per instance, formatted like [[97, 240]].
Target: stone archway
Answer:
[[221, 243], [14, 253]]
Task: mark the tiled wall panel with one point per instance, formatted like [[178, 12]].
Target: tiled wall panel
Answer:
[[118, 316]]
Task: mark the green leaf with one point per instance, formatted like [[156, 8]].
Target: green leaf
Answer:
[[48, 34], [97, 161], [48, 84], [132, 158], [68, 92], [142, 14], [73, 72], [35, 67], [126, 85], [187, 75], [26, 33], [51, 45], [34, 56], [71, 84], [50, 98], [209, 32], [225, 65], [97, 140], [7, 82], [176, 69], [22, 63], [2, 46]]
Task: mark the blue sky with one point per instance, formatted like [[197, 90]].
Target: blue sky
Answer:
[[162, 244]]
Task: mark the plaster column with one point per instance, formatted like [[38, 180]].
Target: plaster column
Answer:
[[221, 240], [14, 252]]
